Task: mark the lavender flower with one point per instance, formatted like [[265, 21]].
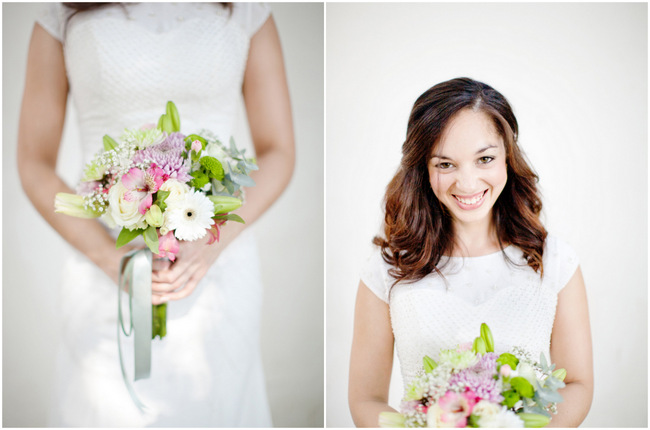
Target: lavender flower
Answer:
[[168, 155], [480, 379]]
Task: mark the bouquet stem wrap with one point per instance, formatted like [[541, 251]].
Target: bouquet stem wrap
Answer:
[[135, 277]]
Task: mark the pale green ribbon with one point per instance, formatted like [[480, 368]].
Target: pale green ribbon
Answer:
[[135, 272]]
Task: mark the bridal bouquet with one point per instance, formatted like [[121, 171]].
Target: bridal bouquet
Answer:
[[471, 386], [164, 186]]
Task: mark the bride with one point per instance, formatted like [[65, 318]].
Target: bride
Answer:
[[462, 245], [121, 63]]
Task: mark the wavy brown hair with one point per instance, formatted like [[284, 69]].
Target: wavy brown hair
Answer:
[[418, 228]]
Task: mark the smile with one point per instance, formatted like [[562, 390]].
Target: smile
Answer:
[[472, 201]]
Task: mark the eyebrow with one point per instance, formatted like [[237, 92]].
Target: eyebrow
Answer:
[[480, 151]]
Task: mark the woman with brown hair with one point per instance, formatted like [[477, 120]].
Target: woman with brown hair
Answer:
[[462, 245]]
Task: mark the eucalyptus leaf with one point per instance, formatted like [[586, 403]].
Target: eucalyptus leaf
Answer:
[[127, 236], [230, 185], [553, 383], [243, 180], [151, 239], [536, 409], [546, 395]]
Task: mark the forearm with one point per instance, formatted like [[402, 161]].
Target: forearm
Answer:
[[41, 183], [575, 406], [365, 413], [275, 171]]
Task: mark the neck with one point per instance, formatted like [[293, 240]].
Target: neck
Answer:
[[475, 239]]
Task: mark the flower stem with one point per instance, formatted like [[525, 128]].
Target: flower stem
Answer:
[[159, 320]]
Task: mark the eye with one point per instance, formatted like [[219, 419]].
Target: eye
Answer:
[[485, 160], [444, 165]]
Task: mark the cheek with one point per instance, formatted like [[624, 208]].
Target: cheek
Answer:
[[498, 176], [439, 183]]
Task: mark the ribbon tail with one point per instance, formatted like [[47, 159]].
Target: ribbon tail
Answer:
[[135, 269]]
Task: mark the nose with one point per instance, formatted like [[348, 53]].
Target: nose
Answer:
[[467, 180]]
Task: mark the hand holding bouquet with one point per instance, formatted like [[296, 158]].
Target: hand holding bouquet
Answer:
[[164, 186], [475, 387]]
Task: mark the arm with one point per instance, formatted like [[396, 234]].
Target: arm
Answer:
[[266, 97], [39, 133], [371, 360], [571, 349]]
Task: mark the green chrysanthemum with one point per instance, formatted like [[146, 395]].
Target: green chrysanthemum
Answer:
[[213, 167], [458, 359], [143, 138]]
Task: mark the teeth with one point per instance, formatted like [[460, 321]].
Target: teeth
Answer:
[[470, 202]]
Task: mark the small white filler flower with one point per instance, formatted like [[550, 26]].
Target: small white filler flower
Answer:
[[190, 216]]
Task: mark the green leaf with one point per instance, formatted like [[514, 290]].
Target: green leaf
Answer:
[[486, 335], [192, 137], [200, 179], [510, 397], [534, 420], [509, 359], [429, 364], [172, 113], [230, 186], [231, 217], [479, 346], [151, 239], [160, 199], [223, 204], [522, 386], [167, 124], [109, 143], [127, 236]]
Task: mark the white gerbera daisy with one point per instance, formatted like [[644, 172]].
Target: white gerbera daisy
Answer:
[[190, 216]]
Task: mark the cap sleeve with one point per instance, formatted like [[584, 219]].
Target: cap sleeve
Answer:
[[251, 16], [560, 262], [52, 19], [375, 275]]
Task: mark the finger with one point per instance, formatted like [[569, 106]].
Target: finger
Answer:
[[189, 287], [173, 273], [160, 264], [171, 286], [158, 299]]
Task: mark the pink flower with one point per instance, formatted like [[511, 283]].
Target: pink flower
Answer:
[[196, 146], [168, 246], [455, 408], [142, 185], [214, 231]]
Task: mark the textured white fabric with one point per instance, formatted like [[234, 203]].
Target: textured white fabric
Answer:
[[431, 314], [123, 65]]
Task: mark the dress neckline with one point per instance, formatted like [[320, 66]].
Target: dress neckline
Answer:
[[491, 254]]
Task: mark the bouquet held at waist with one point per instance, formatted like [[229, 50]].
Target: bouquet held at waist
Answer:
[[165, 186], [472, 386]]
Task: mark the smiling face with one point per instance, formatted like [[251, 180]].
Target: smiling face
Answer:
[[468, 169]]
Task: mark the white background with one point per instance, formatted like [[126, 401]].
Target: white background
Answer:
[[290, 237], [576, 76]]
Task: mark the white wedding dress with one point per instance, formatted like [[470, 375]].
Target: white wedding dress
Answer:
[[123, 65], [431, 314]]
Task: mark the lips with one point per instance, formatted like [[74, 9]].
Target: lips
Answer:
[[471, 201]]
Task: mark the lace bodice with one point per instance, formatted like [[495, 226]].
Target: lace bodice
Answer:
[[430, 315], [125, 62]]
